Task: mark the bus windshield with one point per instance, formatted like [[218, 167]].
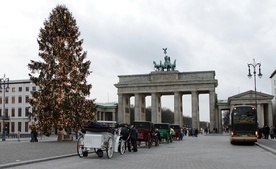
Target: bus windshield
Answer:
[[244, 118], [244, 115]]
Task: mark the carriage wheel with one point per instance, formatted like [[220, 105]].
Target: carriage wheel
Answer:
[[80, 147], [149, 140], [109, 149], [122, 146]]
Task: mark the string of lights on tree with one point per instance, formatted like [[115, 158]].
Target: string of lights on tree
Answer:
[[60, 75]]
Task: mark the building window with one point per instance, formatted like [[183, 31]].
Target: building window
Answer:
[[34, 88], [27, 89], [27, 111], [13, 99], [0, 100], [6, 113], [27, 99], [26, 126], [20, 89], [12, 127], [7, 100], [19, 126], [1, 112], [13, 89], [19, 112], [19, 99], [13, 112]]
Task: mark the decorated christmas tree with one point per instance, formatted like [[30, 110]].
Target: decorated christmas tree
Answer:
[[60, 74]]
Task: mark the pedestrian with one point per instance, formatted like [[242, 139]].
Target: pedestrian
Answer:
[[124, 133], [271, 132], [157, 133], [266, 131], [18, 136], [206, 130], [77, 132], [196, 132], [133, 135]]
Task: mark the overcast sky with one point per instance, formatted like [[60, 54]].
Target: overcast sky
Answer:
[[124, 37]]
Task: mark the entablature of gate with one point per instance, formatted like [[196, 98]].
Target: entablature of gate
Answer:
[[168, 83], [168, 76]]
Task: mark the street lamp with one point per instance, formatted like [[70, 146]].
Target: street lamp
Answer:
[[254, 65], [5, 82]]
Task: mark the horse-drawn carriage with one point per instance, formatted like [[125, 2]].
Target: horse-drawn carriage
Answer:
[[146, 133], [164, 129], [177, 131], [100, 137]]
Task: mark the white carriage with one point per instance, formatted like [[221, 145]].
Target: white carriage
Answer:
[[106, 138]]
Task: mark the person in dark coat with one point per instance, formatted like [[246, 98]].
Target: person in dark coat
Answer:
[[133, 135], [266, 131], [124, 133]]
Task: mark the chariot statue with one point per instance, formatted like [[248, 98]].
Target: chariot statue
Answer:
[[167, 65]]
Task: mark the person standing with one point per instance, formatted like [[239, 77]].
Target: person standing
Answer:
[[133, 139], [266, 131], [76, 132], [18, 136], [271, 132]]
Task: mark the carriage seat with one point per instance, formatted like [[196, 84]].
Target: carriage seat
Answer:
[[97, 127]]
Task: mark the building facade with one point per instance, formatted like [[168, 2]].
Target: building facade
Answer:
[[14, 106], [15, 101]]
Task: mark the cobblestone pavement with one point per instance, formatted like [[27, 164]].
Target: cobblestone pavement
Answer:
[[13, 151], [214, 150]]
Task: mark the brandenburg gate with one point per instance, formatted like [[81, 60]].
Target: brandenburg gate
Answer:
[[169, 82]]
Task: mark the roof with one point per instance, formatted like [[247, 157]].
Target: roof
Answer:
[[248, 94], [106, 104]]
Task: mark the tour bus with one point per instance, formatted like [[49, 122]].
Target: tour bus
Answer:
[[243, 124]]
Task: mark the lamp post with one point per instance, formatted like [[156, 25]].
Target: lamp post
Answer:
[[5, 82], [254, 65]]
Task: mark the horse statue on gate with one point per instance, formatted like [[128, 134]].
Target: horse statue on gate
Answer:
[[156, 66], [167, 63]]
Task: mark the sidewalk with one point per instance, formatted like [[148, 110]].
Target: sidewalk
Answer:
[[24, 152], [28, 139], [267, 144]]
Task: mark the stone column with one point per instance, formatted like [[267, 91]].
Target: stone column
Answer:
[[195, 110], [212, 106], [155, 108], [270, 115], [143, 107], [121, 113], [113, 116], [137, 107], [178, 114], [159, 106], [104, 114], [127, 108], [220, 128], [123, 108], [260, 115]]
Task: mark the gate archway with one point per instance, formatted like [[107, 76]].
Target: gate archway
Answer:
[[158, 83]]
